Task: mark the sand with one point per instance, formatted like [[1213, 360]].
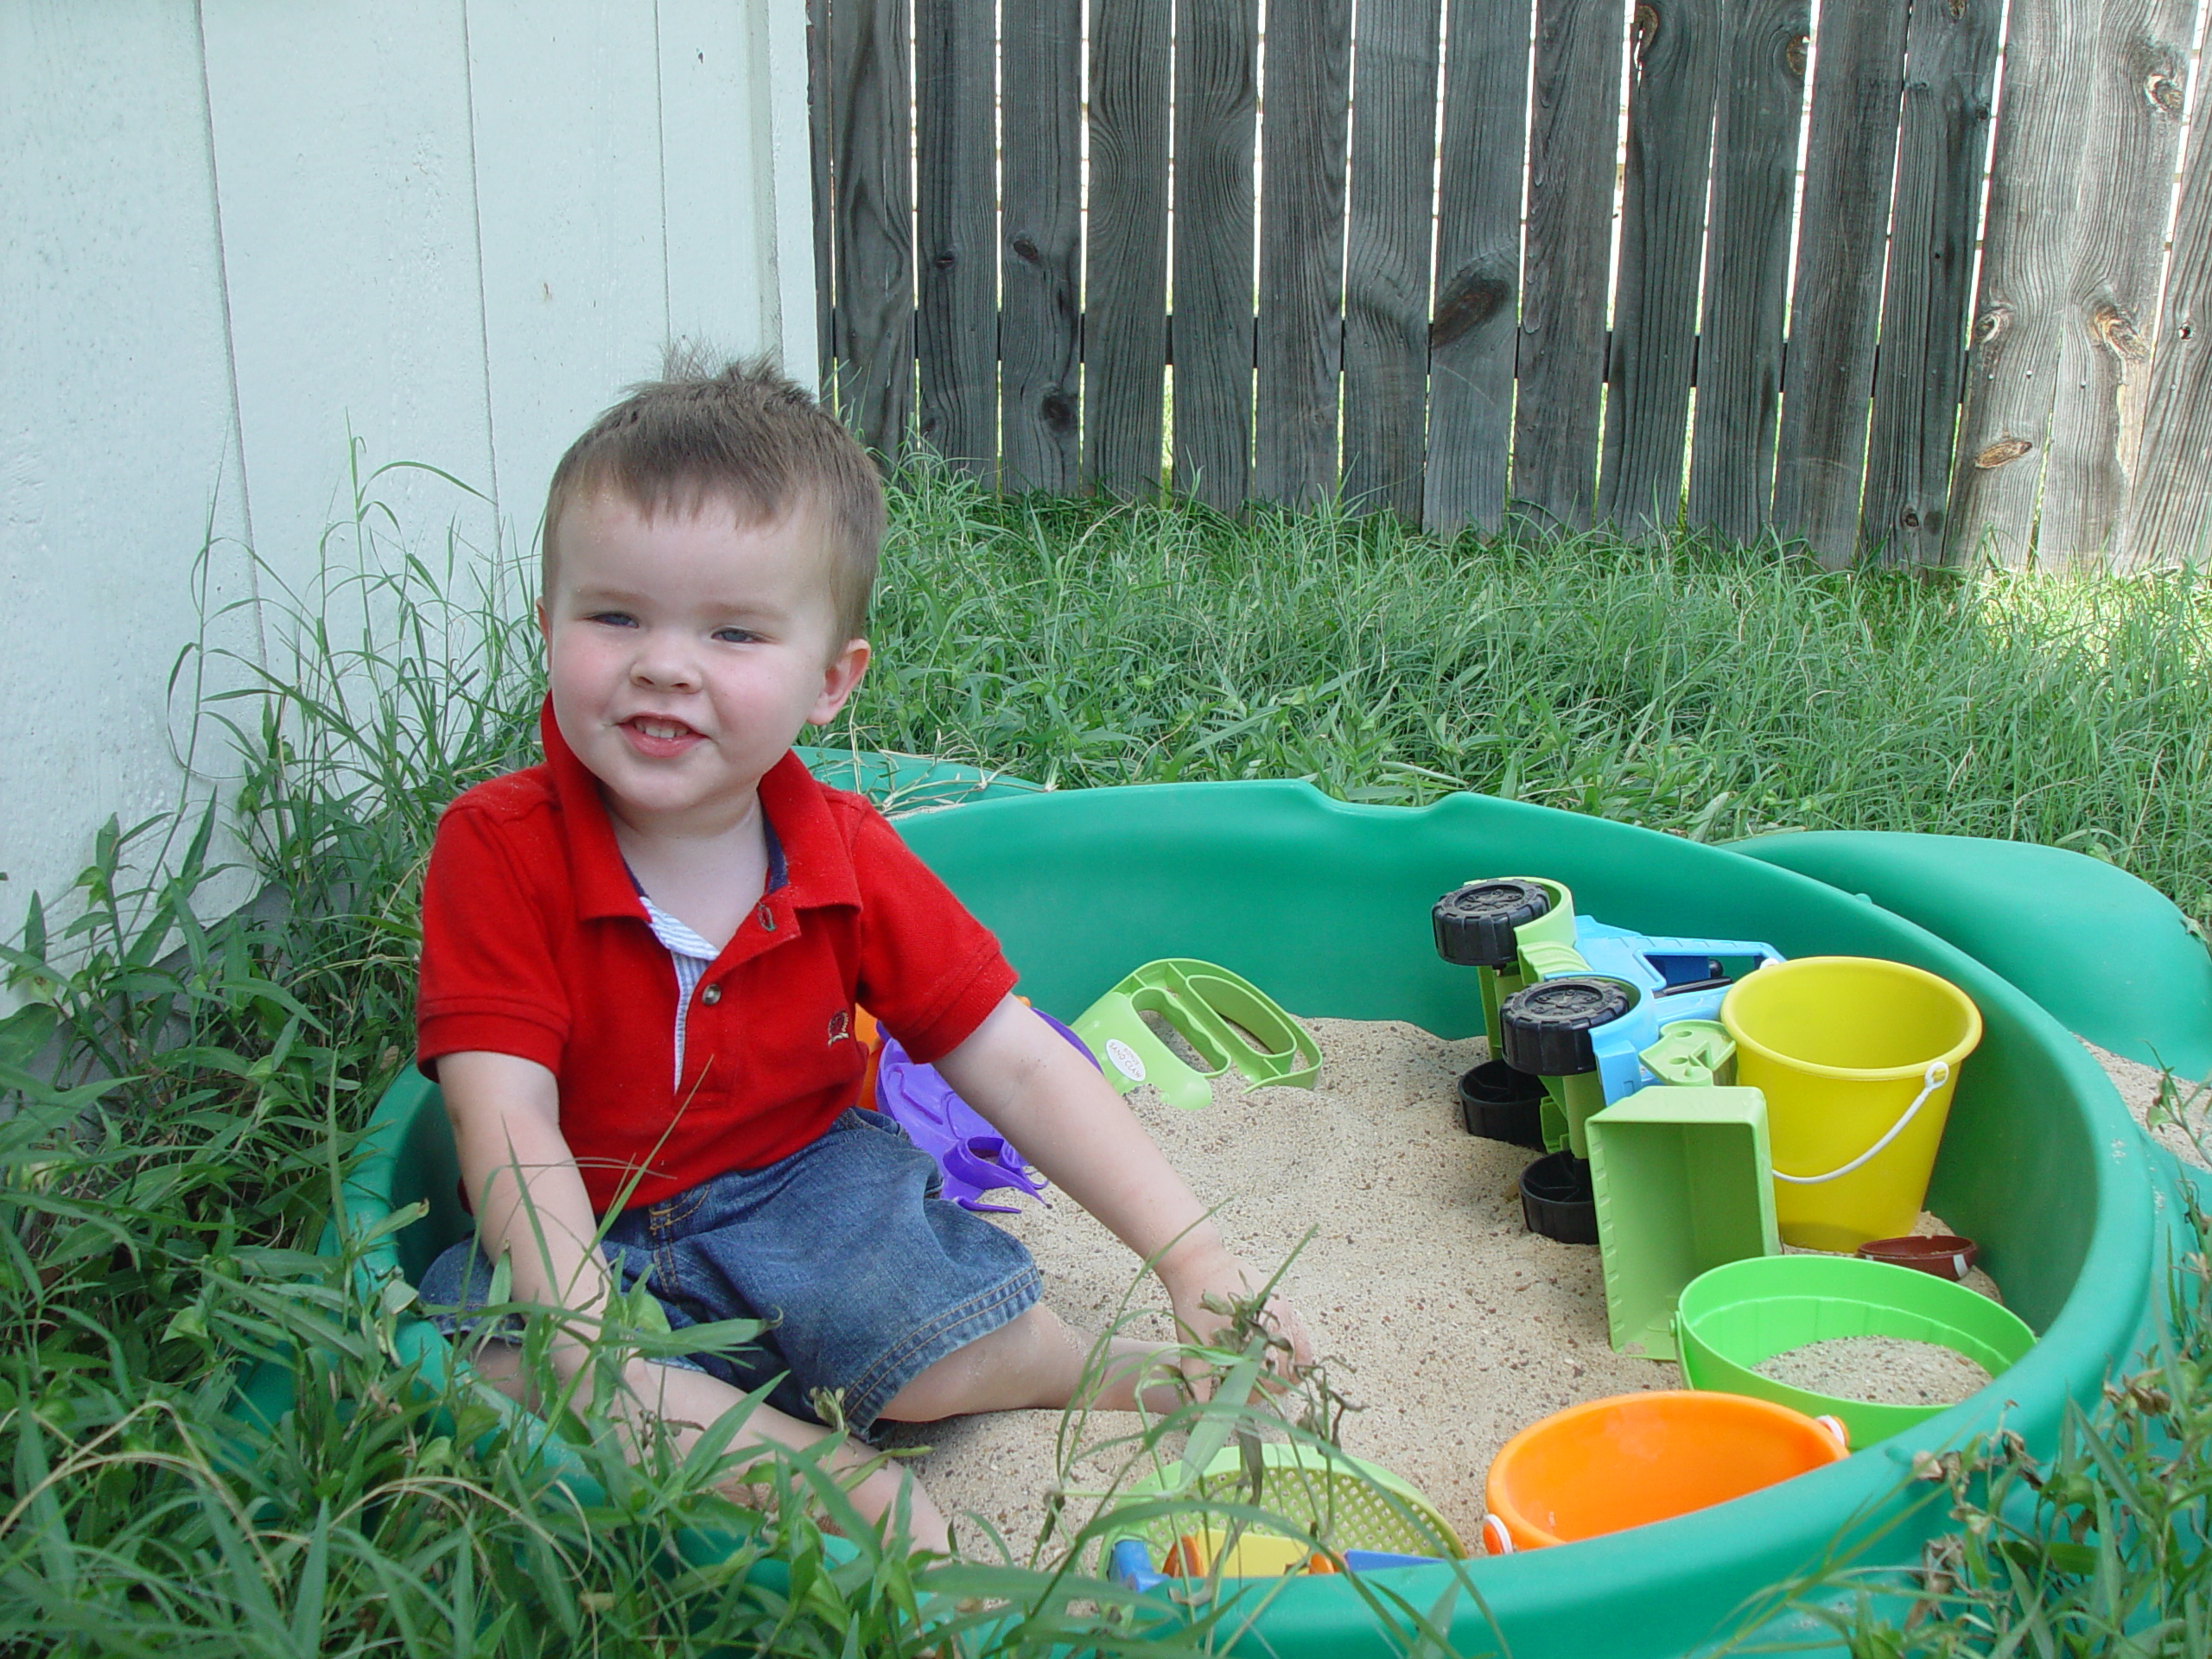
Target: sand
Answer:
[[1881, 1370], [1449, 1322], [1454, 1326], [2182, 1123]]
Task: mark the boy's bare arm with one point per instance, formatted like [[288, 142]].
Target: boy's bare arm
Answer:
[[522, 1179], [1024, 1078]]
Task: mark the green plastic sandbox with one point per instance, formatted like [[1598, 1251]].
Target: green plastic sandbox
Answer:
[[1326, 906]]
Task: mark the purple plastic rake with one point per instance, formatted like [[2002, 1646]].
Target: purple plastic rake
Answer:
[[974, 1157]]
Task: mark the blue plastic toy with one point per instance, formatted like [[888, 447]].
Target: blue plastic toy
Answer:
[[1597, 1012], [1675, 979]]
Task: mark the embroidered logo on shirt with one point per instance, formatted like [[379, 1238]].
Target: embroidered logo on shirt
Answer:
[[841, 1026]]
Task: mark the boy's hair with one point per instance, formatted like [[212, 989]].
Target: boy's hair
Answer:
[[742, 434]]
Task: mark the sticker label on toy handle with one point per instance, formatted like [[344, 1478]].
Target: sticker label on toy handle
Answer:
[[1125, 1059]]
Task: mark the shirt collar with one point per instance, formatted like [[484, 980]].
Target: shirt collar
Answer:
[[817, 869]]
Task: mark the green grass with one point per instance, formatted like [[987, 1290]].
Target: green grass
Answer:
[[179, 1095], [1716, 693]]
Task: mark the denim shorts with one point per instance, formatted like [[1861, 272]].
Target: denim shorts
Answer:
[[867, 1277]]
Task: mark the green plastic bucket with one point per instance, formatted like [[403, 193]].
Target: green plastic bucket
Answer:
[[1742, 1314]]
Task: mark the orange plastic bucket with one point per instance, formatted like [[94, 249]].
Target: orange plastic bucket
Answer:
[[1608, 1464]]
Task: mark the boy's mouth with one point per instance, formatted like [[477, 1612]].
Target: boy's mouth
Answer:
[[657, 737]]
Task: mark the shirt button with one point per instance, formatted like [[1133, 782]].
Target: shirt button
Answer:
[[711, 995]]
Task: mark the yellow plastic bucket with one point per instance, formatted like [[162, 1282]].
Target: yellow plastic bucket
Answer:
[[1858, 1059]]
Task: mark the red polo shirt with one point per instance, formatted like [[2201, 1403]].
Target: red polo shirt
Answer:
[[535, 943]]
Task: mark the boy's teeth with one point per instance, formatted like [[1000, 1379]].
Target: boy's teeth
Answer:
[[661, 728]]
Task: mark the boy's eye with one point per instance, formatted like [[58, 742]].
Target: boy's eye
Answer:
[[736, 636], [613, 618]]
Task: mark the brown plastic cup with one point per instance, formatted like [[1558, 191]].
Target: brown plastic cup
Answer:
[[1945, 1255]]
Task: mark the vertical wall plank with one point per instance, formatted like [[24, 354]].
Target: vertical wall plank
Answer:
[[1950, 64], [821, 124], [1563, 350], [1387, 267], [1747, 269], [875, 235], [1475, 320], [1125, 317], [2020, 313], [1041, 102], [1301, 251], [368, 106], [956, 315], [1675, 59], [119, 446], [568, 213], [1857, 79], [719, 180], [782, 155], [2132, 114], [2169, 518], [1216, 49]]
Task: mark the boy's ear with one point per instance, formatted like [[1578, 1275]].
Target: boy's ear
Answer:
[[545, 628], [839, 681]]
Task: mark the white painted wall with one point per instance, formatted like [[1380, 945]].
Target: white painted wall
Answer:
[[237, 234]]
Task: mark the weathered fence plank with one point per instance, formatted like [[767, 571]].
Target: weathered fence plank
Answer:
[[1851, 152], [2169, 518], [2132, 115], [957, 230], [1302, 113], [875, 266], [1458, 382], [1674, 58], [1125, 293], [1386, 270], [1474, 322], [1950, 64], [1041, 256], [1215, 46], [1562, 349], [2027, 247], [1762, 103], [820, 122]]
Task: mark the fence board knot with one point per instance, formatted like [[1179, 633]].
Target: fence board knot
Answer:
[[1471, 298], [2116, 329]]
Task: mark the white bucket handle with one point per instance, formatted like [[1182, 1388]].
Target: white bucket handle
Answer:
[[1938, 1074], [1494, 1535], [1836, 1431]]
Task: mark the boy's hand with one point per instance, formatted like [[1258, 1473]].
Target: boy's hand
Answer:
[[1200, 1272], [1063, 1117]]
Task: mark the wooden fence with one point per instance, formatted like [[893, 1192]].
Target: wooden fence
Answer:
[[1386, 266]]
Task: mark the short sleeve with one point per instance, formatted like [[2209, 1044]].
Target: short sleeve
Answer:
[[929, 971], [489, 980]]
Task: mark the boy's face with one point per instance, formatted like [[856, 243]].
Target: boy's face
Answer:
[[686, 651]]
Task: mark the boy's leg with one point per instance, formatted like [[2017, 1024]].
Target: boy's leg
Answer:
[[1035, 1361], [687, 1401]]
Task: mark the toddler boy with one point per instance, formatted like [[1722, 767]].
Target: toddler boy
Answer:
[[641, 959]]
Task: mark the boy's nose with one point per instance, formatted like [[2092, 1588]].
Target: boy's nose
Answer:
[[663, 661]]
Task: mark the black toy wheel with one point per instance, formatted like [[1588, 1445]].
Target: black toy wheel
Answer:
[[1499, 1104], [1474, 925], [1547, 1026], [1556, 1201]]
